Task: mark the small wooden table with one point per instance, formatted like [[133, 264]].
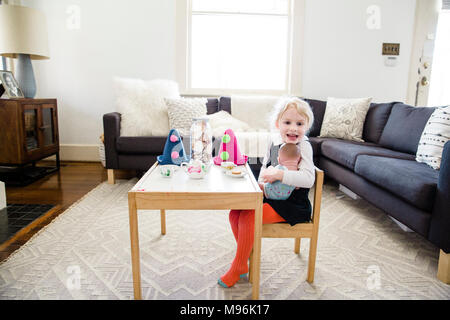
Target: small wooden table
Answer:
[[216, 191]]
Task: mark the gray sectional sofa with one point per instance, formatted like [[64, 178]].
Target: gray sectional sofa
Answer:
[[382, 170]]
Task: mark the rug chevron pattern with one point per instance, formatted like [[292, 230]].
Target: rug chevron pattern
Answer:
[[85, 254]]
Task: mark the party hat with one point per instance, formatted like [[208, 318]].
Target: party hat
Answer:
[[173, 150], [229, 150]]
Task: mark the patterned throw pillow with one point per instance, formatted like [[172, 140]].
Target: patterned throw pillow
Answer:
[[181, 112], [344, 118], [435, 134]]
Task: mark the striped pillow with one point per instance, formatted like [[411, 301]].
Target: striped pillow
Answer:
[[435, 134]]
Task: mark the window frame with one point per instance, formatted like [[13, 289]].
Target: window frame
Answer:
[[294, 53]]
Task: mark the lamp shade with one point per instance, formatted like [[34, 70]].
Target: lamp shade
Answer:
[[23, 31]]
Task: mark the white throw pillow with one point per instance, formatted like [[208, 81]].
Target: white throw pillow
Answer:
[[254, 110], [344, 118], [142, 106], [435, 134], [222, 120], [181, 112]]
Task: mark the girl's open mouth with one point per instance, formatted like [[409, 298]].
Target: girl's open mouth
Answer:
[[292, 136]]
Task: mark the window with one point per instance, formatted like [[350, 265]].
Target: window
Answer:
[[238, 46]]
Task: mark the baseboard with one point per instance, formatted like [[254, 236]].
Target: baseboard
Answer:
[[78, 152]]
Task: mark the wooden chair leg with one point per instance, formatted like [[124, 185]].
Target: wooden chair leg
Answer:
[[111, 177], [163, 221], [297, 245], [312, 259], [444, 267], [250, 274]]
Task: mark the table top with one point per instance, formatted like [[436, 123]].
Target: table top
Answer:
[[215, 181]]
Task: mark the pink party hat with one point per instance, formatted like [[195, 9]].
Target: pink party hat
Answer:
[[229, 150]]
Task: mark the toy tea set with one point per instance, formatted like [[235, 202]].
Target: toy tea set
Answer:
[[197, 165]]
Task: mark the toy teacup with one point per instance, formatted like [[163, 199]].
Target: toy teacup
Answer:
[[168, 170], [194, 169]]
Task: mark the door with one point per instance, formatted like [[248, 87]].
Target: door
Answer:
[[31, 121], [41, 131], [427, 14]]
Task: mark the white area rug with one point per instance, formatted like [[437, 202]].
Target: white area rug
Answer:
[[85, 254]]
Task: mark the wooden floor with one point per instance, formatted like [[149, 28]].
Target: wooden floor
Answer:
[[63, 188]]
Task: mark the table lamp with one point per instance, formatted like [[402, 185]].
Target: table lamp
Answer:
[[23, 35]]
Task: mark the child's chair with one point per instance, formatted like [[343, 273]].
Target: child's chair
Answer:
[[300, 230]]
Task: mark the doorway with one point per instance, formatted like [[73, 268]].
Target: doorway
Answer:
[[439, 94]]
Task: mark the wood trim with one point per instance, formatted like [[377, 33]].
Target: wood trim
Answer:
[[111, 177], [194, 201], [163, 221], [22, 232], [284, 230], [256, 255], [134, 242]]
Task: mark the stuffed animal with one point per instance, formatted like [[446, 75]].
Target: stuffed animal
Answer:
[[173, 150], [229, 150]]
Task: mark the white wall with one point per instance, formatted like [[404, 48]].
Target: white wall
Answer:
[[132, 38], [136, 38], [342, 57]]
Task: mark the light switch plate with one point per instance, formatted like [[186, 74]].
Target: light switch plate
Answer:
[[391, 49]]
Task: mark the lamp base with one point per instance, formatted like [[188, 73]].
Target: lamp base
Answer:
[[25, 76]]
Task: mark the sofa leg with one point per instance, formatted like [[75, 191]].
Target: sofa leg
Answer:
[[111, 177], [444, 267]]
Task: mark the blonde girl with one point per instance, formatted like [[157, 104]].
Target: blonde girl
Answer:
[[293, 118]]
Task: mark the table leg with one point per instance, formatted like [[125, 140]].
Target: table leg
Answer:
[[256, 263], [134, 237], [163, 221]]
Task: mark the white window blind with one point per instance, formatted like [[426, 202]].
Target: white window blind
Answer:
[[239, 45]]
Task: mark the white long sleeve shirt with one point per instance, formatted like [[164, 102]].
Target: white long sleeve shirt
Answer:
[[304, 177]]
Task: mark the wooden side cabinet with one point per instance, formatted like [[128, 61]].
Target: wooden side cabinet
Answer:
[[28, 131]]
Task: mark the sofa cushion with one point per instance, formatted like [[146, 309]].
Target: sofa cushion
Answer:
[[183, 111], [404, 127], [212, 105], [376, 118], [344, 118], [434, 137], [318, 108], [412, 181], [141, 145], [346, 152], [225, 104], [316, 143]]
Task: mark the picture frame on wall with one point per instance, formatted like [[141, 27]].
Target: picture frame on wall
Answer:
[[10, 85]]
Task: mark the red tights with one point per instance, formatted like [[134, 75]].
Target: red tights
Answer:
[[243, 226]]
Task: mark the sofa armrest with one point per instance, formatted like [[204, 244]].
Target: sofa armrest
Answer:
[[111, 131], [440, 220]]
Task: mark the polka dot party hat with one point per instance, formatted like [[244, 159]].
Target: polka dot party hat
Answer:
[[229, 150], [173, 150]]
